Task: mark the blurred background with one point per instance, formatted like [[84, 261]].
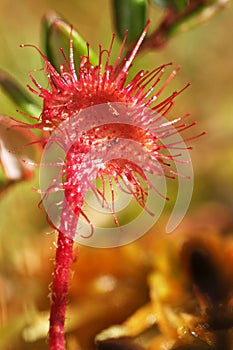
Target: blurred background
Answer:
[[205, 54]]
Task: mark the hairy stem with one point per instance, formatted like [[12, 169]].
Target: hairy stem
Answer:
[[60, 283]]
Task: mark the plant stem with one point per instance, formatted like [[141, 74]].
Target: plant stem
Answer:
[[171, 19], [60, 283]]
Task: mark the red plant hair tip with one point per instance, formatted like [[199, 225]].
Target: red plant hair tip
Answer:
[[171, 76], [36, 48], [131, 57]]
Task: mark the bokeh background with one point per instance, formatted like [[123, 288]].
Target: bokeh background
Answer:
[[205, 54]]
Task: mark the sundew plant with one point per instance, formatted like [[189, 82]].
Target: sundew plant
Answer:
[[105, 133]]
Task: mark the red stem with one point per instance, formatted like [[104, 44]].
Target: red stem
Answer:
[[61, 276], [59, 292]]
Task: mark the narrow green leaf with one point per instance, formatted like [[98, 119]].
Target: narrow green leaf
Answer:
[[56, 35], [130, 15], [18, 95]]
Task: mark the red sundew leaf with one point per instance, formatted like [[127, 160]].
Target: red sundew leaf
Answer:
[[15, 156]]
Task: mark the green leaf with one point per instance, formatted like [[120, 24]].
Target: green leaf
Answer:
[[130, 15], [56, 35], [18, 95]]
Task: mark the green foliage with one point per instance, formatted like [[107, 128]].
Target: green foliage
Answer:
[[130, 15], [56, 34], [18, 95]]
